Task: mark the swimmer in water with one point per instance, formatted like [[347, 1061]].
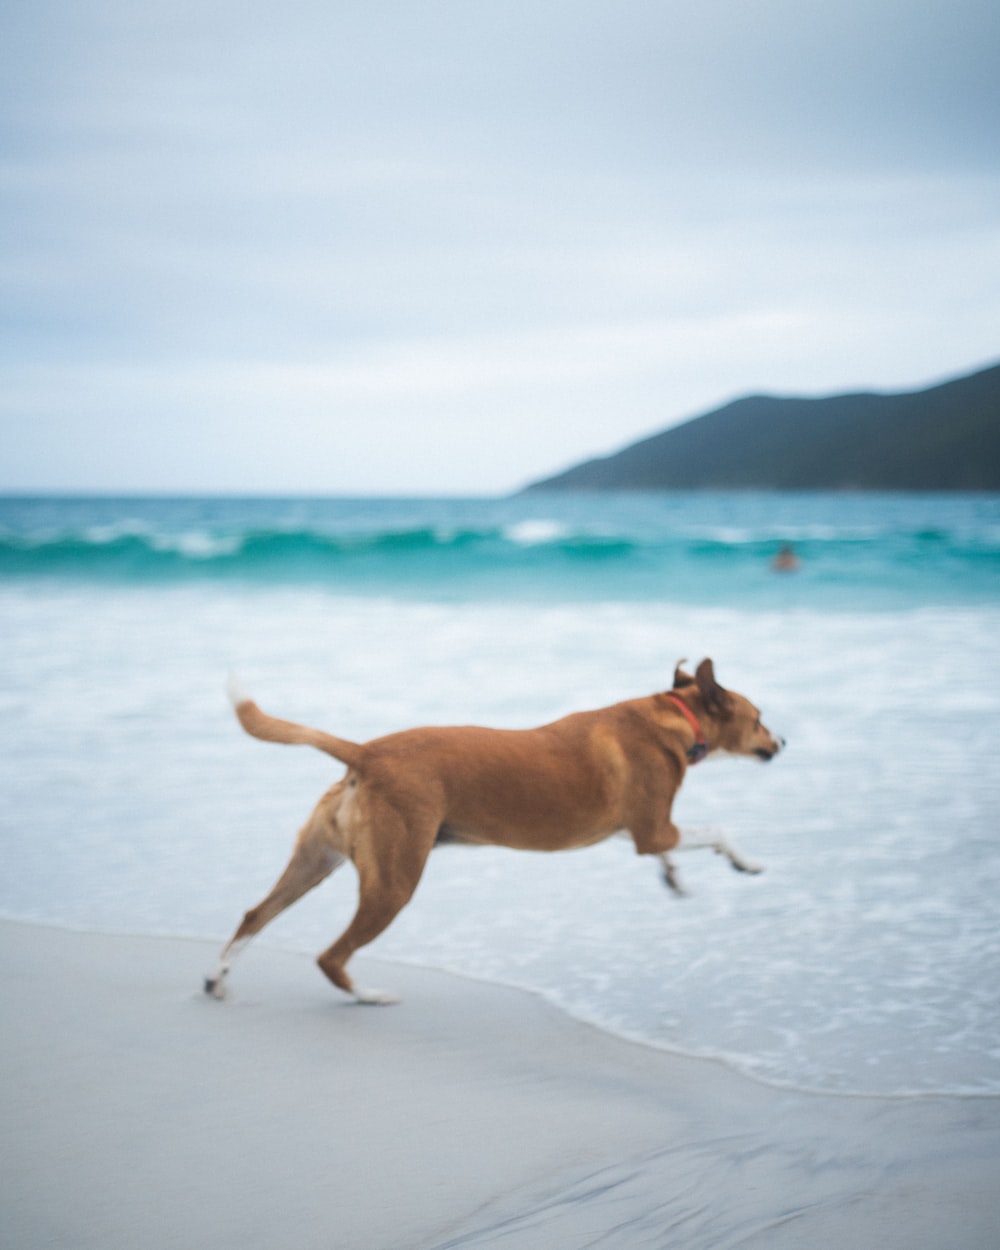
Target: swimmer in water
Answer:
[[786, 561]]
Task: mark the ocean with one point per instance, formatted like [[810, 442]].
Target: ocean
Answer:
[[864, 960]]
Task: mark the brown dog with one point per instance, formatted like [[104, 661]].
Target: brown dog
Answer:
[[572, 783]]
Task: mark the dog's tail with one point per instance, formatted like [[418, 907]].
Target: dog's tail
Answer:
[[270, 729]]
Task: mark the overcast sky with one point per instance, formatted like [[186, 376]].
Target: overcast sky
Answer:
[[448, 246]]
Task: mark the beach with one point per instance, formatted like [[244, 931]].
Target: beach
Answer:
[[138, 1112], [797, 1059]]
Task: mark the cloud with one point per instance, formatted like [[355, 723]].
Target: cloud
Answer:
[[564, 224]]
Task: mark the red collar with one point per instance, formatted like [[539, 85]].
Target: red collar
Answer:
[[697, 752]]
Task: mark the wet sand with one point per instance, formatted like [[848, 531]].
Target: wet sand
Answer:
[[138, 1112]]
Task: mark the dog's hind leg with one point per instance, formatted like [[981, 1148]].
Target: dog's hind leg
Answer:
[[313, 860], [374, 914], [386, 884]]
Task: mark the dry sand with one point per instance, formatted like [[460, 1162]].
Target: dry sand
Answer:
[[139, 1114]]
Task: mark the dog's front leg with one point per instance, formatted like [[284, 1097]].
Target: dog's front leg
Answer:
[[714, 840], [660, 838], [670, 875], [703, 839]]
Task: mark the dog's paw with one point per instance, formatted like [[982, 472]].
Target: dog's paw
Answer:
[[375, 998], [745, 865], [215, 987], [671, 880]]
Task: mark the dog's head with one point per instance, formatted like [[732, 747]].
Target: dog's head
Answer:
[[731, 722]]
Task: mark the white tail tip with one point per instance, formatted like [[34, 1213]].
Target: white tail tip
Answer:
[[234, 689]]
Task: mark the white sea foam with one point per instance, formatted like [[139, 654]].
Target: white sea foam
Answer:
[[770, 532], [198, 544], [537, 531], [105, 535]]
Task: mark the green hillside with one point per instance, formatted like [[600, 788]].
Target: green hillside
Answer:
[[944, 438]]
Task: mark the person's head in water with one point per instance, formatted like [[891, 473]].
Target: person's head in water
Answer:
[[786, 561]]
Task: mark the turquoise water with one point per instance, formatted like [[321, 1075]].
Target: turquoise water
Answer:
[[863, 960], [869, 551]]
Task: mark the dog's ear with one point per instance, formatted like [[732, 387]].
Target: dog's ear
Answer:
[[682, 679], [718, 702]]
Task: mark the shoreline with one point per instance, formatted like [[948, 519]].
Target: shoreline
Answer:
[[139, 1112], [730, 1064]]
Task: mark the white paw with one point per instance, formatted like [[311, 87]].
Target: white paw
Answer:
[[375, 998], [215, 987]]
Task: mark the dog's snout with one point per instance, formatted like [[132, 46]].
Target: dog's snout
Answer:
[[774, 747]]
